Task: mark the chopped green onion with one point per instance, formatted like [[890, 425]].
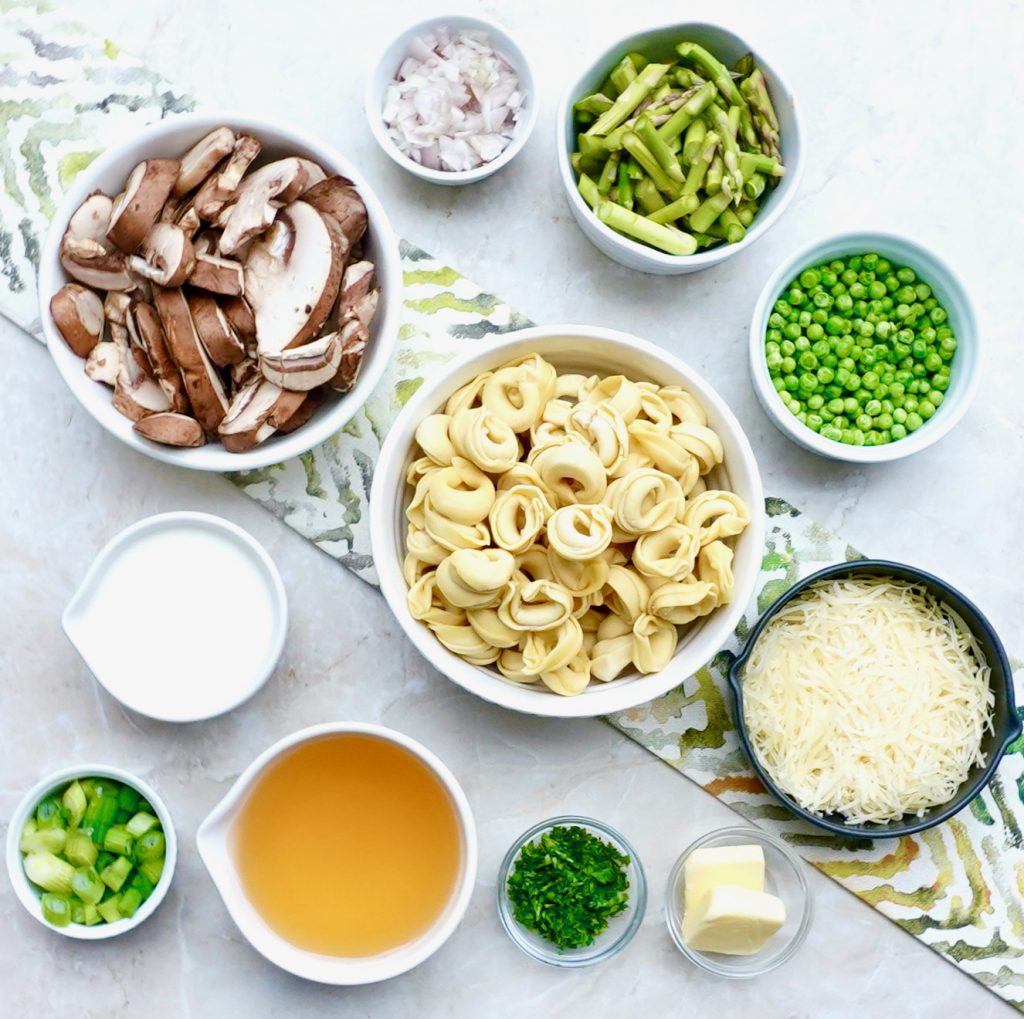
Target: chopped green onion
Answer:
[[117, 840], [150, 846], [152, 869], [50, 872], [48, 813], [131, 899], [86, 884], [115, 874], [74, 801], [43, 840], [108, 909], [56, 909], [140, 824]]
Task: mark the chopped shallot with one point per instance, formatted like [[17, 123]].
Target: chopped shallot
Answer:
[[455, 101]]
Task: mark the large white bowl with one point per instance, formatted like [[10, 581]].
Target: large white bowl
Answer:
[[214, 840], [660, 42], [952, 295], [28, 894], [384, 73], [170, 138], [591, 350]]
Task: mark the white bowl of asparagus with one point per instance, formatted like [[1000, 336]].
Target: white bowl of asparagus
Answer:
[[677, 148]]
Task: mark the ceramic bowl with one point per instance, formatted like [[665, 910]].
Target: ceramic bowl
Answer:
[[1006, 726], [384, 73], [172, 137], [214, 841], [656, 43], [951, 293], [621, 928], [241, 561], [28, 894], [590, 350], [783, 877]]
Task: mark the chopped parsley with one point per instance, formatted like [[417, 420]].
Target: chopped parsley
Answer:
[[567, 885]]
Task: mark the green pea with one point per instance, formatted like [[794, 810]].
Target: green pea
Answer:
[[899, 415], [873, 407], [853, 383], [933, 362], [857, 289], [787, 348], [774, 335], [884, 421], [914, 421], [808, 382], [822, 300], [781, 308], [788, 365], [792, 330], [863, 422], [847, 364], [836, 406], [903, 312], [887, 406], [816, 402], [829, 278], [898, 431], [830, 360], [815, 332], [804, 319], [820, 348], [876, 288], [935, 398], [938, 315], [809, 278], [778, 384], [910, 404], [825, 375], [831, 432], [905, 295], [941, 383], [807, 360], [926, 409], [842, 376], [792, 382], [774, 360], [796, 296], [814, 422], [882, 266], [844, 302], [801, 343]]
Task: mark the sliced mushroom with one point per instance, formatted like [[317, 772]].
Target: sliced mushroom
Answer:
[[146, 331], [166, 256], [366, 307], [292, 276], [136, 393], [138, 207], [239, 314], [220, 187], [103, 362], [257, 200], [202, 158], [90, 263], [356, 283], [91, 220], [314, 174], [354, 338], [189, 221], [243, 373], [205, 242], [171, 429], [219, 339], [202, 383], [218, 275], [245, 425], [303, 368], [337, 198], [78, 315], [115, 307], [293, 410]]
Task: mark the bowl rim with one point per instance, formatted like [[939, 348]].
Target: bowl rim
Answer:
[[315, 966], [636, 910], [210, 521], [701, 259], [898, 829], [331, 419], [705, 960], [481, 682], [373, 101], [969, 361], [26, 892]]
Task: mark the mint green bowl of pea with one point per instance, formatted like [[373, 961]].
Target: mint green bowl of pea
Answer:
[[136, 801], [864, 347]]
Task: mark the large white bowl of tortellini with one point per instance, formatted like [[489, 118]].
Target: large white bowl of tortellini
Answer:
[[568, 521]]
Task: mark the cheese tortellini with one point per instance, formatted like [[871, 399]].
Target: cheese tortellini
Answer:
[[562, 527]]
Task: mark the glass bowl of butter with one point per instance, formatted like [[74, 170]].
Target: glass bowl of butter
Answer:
[[738, 903]]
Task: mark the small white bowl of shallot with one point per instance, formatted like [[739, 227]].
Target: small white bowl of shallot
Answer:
[[452, 99]]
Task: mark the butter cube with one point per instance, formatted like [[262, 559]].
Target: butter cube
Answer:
[[721, 865], [733, 921]]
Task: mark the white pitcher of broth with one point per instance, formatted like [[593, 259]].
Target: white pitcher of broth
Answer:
[[345, 853]]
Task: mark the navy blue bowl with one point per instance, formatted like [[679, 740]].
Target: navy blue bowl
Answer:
[[1005, 722]]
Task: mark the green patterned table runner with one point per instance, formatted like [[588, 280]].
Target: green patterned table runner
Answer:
[[66, 93]]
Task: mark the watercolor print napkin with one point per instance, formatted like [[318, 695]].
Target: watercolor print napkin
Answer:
[[65, 94]]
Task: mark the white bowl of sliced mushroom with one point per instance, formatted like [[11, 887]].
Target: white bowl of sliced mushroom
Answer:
[[221, 292]]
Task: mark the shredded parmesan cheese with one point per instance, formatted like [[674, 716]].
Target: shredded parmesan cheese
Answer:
[[868, 698]]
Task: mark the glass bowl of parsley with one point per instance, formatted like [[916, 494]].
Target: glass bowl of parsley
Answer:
[[571, 892]]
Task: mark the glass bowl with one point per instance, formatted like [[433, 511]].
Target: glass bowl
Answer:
[[621, 928], [784, 877]]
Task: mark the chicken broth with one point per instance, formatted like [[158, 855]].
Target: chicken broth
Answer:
[[348, 845]]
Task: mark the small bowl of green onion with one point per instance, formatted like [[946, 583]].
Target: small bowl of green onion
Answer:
[[571, 892], [91, 851], [864, 347]]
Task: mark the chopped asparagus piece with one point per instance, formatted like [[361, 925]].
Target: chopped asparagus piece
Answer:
[[643, 155], [623, 74], [713, 68], [694, 140], [674, 242], [710, 209], [688, 112], [629, 99], [648, 196], [658, 148], [680, 207]]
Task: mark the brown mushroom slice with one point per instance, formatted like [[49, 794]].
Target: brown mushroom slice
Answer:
[[166, 256], [219, 187], [189, 221], [303, 368], [293, 410], [77, 313], [115, 307], [103, 362], [366, 307], [170, 429], [292, 276], [259, 196], [202, 382], [219, 339], [90, 263], [146, 331], [136, 393], [201, 160], [138, 207], [91, 220], [239, 314], [314, 174], [354, 337], [337, 197], [218, 275], [246, 423], [246, 371]]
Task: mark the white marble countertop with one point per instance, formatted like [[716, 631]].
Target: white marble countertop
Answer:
[[907, 112]]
